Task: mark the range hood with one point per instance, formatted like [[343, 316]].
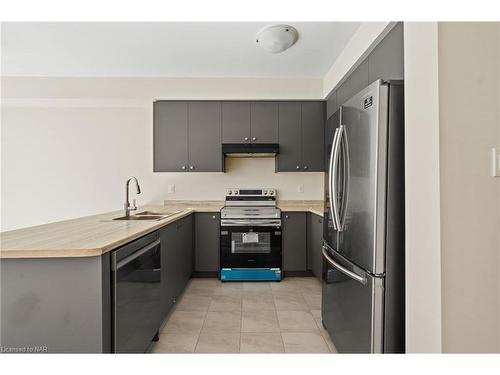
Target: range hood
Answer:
[[255, 150]]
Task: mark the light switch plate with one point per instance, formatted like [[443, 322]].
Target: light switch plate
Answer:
[[171, 188], [495, 156], [300, 188]]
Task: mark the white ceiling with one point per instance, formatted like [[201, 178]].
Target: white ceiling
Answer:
[[167, 49]]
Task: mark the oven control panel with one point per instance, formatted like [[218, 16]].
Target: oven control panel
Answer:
[[266, 192]]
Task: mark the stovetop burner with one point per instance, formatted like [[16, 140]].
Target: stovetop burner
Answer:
[[250, 204]]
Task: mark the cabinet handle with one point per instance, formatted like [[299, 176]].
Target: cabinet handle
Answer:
[[305, 167], [254, 139], [298, 166], [246, 138], [183, 167], [213, 217], [191, 167], [287, 217]]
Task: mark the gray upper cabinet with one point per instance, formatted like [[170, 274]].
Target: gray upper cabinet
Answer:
[[264, 122], [301, 137], [294, 241], [204, 137], [313, 127], [290, 143], [386, 61], [187, 136], [170, 136], [235, 122], [356, 82], [206, 242]]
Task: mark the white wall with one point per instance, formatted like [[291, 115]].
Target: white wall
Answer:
[[423, 260], [469, 96], [68, 145]]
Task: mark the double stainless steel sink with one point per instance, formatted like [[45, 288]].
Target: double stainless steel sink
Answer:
[[148, 215]]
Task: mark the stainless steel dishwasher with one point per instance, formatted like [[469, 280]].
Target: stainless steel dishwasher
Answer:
[[136, 293]]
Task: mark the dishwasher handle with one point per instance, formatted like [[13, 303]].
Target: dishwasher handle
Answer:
[[135, 255]]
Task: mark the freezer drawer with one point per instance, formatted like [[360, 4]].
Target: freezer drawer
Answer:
[[352, 305]]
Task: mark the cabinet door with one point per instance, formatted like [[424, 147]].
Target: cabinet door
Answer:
[[170, 123], [207, 230], [235, 122], [313, 132], [356, 82], [289, 157], [316, 245], [294, 241], [185, 251], [386, 61], [205, 147], [264, 122], [169, 244]]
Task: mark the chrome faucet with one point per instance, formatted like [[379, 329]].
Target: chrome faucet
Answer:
[[130, 207]]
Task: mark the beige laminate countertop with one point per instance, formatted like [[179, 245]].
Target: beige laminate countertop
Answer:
[[98, 234]]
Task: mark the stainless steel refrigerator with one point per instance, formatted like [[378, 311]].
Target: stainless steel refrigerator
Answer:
[[363, 248]]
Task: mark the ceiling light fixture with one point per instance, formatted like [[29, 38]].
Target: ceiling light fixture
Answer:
[[277, 38]]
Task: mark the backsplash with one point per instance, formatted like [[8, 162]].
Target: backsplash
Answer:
[[242, 173]]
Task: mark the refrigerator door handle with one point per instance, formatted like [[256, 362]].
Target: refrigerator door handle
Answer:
[[345, 177], [344, 270], [332, 180]]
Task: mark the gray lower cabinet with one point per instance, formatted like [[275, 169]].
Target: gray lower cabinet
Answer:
[[206, 241], [301, 137], [314, 244], [294, 241], [177, 259]]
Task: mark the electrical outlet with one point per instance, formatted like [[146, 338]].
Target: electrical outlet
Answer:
[[300, 188], [171, 188]]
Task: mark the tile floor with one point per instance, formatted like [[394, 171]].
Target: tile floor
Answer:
[[215, 317]]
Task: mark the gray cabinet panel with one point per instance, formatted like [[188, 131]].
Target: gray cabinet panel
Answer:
[[177, 259], [331, 104], [316, 243], [170, 136], [205, 147], [290, 142], [207, 228], [294, 241], [235, 122], [185, 251], [386, 60], [313, 128], [264, 122], [356, 82]]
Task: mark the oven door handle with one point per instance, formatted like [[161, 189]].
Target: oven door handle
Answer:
[[252, 223]]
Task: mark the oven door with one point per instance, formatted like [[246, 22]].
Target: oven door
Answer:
[[250, 243]]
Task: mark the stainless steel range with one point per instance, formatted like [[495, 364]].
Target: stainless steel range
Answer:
[[250, 240]]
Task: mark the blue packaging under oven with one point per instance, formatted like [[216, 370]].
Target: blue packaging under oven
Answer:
[[250, 274]]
